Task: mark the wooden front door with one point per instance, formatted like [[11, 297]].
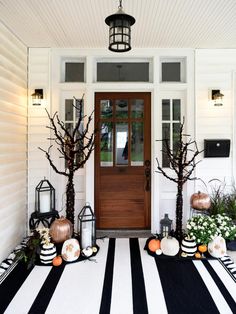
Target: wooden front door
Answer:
[[122, 160]]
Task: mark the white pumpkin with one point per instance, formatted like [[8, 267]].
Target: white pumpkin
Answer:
[[87, 252], [70, 250], [170, 246], [217, 247]]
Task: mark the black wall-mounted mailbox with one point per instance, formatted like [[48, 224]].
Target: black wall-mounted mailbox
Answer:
[[216, 148]]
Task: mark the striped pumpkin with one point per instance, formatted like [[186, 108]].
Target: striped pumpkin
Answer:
[[47, 254], [188, 246]]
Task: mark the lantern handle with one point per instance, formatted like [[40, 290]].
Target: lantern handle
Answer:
[[120, 4]]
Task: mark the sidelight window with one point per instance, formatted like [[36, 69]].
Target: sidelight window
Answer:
[[171, 117]]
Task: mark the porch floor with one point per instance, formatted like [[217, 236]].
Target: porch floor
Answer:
[[121, 279]]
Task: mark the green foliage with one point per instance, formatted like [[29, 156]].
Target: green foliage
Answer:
[[33, 247], [221, 202]]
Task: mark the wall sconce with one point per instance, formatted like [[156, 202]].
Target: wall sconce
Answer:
[[217, 96], [37, 97]]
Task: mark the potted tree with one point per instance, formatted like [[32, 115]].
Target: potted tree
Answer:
[[182, 160], [75, 147]]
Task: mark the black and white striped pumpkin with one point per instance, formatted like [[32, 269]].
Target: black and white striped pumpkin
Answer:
[[47, 254], [188, 246]]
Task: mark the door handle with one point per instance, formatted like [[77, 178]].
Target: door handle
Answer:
[[147, 172]]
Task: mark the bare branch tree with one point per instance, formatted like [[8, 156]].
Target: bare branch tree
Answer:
[[182, 161], [75, 147]]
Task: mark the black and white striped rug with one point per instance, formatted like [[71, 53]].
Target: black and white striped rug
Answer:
[[123, 280]]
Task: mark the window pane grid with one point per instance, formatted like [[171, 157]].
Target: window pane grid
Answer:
[[171, 108]]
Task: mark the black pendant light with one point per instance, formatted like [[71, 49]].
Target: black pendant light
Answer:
[[120, 30]]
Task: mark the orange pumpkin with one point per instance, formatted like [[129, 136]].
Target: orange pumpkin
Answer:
[[200, 201], [202, 248], [198, 255], [154, 245], [57, 261]]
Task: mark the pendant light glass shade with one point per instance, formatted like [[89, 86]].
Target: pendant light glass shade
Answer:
[[120, 30]]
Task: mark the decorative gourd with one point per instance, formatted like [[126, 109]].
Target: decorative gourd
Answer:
[[70, 250], [200, 201], [154, 245], [61, 229], [169, 246], [188, 246], [57, 261], [217, 247]]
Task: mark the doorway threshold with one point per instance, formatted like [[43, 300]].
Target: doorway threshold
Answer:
[[121, 233]]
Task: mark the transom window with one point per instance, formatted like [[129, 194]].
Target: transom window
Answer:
[[131, 70], [173, 70], [73, 70]]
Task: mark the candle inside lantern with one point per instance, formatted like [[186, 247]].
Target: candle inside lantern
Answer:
[[45, 202], [86, 238]]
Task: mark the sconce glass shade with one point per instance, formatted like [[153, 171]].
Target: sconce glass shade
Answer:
[[44, 197], [120, 30], [87, 227], [37, 96], [217, 96]]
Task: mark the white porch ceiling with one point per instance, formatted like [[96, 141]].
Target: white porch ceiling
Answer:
[[159, 23]]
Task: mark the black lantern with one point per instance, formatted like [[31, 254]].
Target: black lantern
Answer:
[[87, 227], [120, 30], [166, 223], [44, 197]]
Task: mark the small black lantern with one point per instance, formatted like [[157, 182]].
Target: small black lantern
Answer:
[[166, 224], [120, 30], [87, 227], [44, 197]]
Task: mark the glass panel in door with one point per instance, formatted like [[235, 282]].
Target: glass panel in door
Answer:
[[137, 144], [122, 146]]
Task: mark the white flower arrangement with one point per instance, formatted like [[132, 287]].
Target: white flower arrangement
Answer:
[[225, 226], [202, 229], [44, 235]]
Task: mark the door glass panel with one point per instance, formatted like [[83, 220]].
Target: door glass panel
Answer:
[[165, 109], [176, 109], [106, 109], [106, 144], [137, 144], [122, 109], [69, 110], [165, 136], [122, 147], [137, 106]]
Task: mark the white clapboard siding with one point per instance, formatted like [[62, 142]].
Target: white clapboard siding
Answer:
[[214, 69], [38, 166], [13, 141]]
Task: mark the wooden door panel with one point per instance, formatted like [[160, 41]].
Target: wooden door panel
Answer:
[[121, 197]]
